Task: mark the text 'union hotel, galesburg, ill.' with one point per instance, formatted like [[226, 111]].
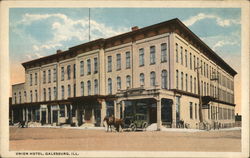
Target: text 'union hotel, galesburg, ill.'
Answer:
[[163, 71]]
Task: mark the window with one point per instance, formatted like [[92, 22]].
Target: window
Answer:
[[68, 71], [55, 93], [20, 97], [49, 76], [69, 91], [181, 55], [49, 93], [54, 74], [201, 90], [163, 52], [25, 96], [89, 66], [181, 80], [118, 62], [36, 96], [30, 79], [109, 86], [81, 68], [62, 88], [96, 86], [31, 96], [82, 88], [201, 67], [15, 98], [44, 94], [195, 106], [194, 85], [142, 79], [152, 78], [141, 57], [35, 78], [44, 76], [194, 63], [119, 84], [205, 88], [62, 73], [164, 79], [177, 79], [176, 52], [207, 70], [109, 63], [127, 60], [74, 71], [191, 84], [186, 82], [191, 110], [62, 110], [191, 67], [128, 81], [89, 87], [186, 58], [152, 55], [95, 65]]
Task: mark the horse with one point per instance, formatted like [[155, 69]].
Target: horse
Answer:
[[115, 122]]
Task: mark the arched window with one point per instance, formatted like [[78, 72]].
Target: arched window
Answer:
[[195, 85], [82, 88], [142, 79], [89, 87], [164, 79], [191, 84], [44, 94], [152, 78], [177, 79], [119, 84], [35, 95], [109, 86], [186, 82], [128, 78], [81, 68], [69, 91], [62, 88], [96, 86], [31, 96], [20, 97], [25, 96], [55, 93], [68, 71], [49, 93], [181, 80]]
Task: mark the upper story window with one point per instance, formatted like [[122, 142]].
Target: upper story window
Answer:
[[68, 71], [163, 52], [36, 96], [186, 82], [177, 79], [109, 86], [35, 78], [89, 66], [31, 96], [15, 98], [181, 80], [44, 94], [181, 52], [44, 76], [20, 97], [55, 93], [62, 88], [81, 68], [176, 53], [62, 73], [49, 76], [191, 84], [69, 91], [194, 62], [128, 81], [191, 110], [54, 74], [186, 58], [164, 79], [95, 65], [89, 87], [142, 79], [96, 86], [141, 57], [30, 79], [25, 96], [152, 55], [191, 67], [127, 60], [201, 67], [74, 90], [119, 83], [74, 71], [118, 61], [82, 88], [109, 63], [49, 93], [152, 78]]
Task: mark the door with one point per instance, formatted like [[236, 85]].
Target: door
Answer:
[[43, 121], [55, 116]]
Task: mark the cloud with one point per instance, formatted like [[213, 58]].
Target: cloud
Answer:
[[223, 43], [220, 21]]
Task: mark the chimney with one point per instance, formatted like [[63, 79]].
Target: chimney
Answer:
[[58, 51], [134, 28]]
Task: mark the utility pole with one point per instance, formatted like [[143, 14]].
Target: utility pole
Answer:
[[199, 94]]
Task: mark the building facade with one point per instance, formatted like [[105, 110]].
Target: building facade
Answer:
[[163, 71]]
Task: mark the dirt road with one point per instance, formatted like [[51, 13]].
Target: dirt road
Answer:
[[78, 139]]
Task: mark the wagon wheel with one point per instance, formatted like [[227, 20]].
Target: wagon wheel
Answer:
[[132, 127], [144, 126]]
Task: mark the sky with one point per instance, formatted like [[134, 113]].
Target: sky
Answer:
[[38, 32]]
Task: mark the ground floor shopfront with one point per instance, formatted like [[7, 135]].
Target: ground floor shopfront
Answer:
[[162, 107]]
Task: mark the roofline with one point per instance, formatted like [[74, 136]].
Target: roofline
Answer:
[[18, 84], [101, 42]]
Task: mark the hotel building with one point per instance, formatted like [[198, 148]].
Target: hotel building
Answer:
[[163, 71]]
